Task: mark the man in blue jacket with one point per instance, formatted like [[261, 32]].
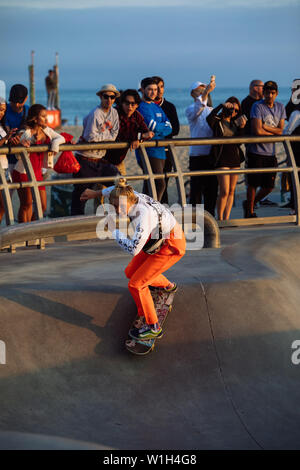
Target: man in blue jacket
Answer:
[[157, 122]]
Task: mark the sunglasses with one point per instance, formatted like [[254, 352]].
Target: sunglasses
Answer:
[[132, 103], [107, 97]]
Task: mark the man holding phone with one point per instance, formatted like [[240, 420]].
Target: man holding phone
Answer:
[[202, 187]]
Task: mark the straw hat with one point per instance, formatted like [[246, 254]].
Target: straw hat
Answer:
[[108, 87]]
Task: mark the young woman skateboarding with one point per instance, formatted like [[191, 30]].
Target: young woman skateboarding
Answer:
[[151, 221]]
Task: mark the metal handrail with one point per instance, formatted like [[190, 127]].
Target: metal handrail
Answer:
[[83, 224], [148, 176], [179, 142]]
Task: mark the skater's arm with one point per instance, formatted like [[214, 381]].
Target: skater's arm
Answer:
[[145, 223]]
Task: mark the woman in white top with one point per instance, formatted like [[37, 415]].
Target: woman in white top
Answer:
[[36, 133], [4, 139], [145, 269]]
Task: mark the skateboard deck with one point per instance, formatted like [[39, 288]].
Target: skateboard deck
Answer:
[[163, 304]]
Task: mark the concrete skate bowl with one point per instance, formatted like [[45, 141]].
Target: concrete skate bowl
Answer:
[[220, 378]]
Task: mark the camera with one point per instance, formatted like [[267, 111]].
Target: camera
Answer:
[[228, 111]]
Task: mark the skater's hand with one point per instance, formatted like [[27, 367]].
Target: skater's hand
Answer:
[[89, 194]]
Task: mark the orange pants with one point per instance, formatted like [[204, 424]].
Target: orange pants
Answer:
[[146, 270]]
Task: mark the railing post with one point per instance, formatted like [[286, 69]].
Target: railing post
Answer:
[[148, 170], [295, 178], [9, 212], [36, 195], [179, 178], [34, 189]]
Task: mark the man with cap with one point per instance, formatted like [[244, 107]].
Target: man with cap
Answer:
[[101, 124], [202, 187], [267, 118], [17, 110]]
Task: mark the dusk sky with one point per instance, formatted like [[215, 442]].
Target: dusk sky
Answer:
[[181, 40]]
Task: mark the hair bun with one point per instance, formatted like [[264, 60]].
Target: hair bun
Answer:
[[120, 182]]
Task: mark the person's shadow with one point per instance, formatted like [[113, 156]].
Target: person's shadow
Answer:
[[116, 320]]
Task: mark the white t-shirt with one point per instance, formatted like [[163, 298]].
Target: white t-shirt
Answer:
[[3, 158], [196, 114], [55, 138], [144, 217]]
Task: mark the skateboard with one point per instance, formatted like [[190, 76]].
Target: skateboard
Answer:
[[163, 303]]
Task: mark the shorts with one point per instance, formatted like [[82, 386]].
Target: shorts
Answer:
[[18, 177], [262, 180]]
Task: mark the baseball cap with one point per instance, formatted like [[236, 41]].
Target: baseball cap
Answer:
[[108, 87], [196, 85], [18, 93], [270, 85]]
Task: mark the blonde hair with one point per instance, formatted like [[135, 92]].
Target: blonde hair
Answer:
[[122, 189]]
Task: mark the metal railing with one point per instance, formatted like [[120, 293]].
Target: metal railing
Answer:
[[148, 176]]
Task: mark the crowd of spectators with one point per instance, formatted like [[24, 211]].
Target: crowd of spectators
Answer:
[[136, 116]]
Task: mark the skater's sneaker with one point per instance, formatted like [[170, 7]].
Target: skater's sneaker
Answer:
[[166, 289], [172, 289], [146, 332]]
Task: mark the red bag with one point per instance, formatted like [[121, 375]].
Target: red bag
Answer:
[[67, 162]]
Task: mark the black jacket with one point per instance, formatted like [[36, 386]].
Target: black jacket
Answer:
[[215, 123], [171, 114]]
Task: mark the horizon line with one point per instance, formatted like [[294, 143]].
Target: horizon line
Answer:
[[94, 4]]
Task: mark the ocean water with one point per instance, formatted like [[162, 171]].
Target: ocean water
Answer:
[[75, 104]]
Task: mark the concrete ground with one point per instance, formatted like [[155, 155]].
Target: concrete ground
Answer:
[[222, 377]]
